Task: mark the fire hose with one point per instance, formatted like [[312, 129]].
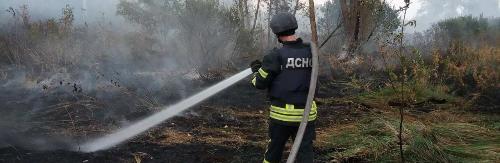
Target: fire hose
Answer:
[[305, 117], [128, 132]]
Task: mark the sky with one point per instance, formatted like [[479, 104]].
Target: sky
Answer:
[[95, 9], [412, 11], [425, 17], [106, 9]]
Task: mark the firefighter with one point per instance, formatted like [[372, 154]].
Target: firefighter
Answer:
[[286, 72]]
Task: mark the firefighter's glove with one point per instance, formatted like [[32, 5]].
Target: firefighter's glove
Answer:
[[256, 65]]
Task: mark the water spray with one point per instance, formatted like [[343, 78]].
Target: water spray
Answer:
[[126, 133], [168, 112]]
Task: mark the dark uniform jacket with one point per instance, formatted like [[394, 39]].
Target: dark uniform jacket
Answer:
[[286, 73]]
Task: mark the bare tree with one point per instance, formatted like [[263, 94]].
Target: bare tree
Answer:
[[297, 7], [255, 16], [403, 82], [246, 13], [360, 19], [269, 11], [312, 19], [241, 12]]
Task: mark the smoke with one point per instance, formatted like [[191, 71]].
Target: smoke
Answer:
[[432, 11], [89, 11], [128, 132], [12, 137], [68, 73]]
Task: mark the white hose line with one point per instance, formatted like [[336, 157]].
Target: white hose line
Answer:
[[307, 110], [126, 133]]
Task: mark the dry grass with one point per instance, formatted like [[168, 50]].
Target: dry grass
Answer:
[[448, 116], [439, 136]]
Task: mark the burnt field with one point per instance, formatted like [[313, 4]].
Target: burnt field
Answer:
[[229, 127], [45, 120], [399, 81]]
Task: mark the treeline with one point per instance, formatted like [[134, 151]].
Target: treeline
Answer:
[[463, 54], [208, 39], [456, 61]]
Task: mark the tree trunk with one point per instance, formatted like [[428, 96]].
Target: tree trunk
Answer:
[[255, 17], [241, 13], [312, 19], [297, 3], [359, 21], [246, 13], [269, 11]]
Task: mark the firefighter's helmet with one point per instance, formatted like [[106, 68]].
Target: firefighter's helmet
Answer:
[[283, 24]]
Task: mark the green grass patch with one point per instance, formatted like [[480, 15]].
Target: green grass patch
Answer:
[[449, 135], [370, 138], [375, 139], [467, 142]]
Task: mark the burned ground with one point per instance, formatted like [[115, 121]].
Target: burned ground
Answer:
[[229, 127], [47, 121]]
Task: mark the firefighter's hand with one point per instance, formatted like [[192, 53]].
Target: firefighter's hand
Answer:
[[255, 65]]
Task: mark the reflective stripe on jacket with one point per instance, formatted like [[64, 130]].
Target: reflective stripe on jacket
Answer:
[[286, 73], [292, 114]]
